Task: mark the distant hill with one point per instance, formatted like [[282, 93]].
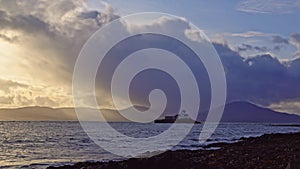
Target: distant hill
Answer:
[[53, 114], [248, 112], [234, 112]]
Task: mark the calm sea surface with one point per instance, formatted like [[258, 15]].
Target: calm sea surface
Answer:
[[40, 144]]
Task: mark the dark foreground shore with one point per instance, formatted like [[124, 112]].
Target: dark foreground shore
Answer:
[[272, 151]]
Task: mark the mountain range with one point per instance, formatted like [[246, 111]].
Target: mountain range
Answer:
[[234, 112], [248, 112]]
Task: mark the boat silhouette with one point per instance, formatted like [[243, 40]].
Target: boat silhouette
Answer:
[[182, 117]]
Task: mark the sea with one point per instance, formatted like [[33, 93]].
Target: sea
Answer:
[[41, 144]]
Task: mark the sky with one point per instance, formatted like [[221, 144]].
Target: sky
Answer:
[[258, 42]]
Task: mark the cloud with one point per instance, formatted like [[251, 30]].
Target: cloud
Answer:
[[44, 42], [7, 85], [163, 24], [46, 101], [249, 34], [6, 100], [25, 23], [220, 39], [54, 28], [194, 35], [297, 55], [277, 48], [268, 6], [276, 39], [142, 86], [8, 38], [22, 100], [19, 94], [279, 40], [247, 47], [290, 107], [295, 39], [261, 79], [55, 31]]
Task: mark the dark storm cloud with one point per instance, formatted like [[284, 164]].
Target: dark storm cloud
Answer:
[[51, 33], [25, 23], [98, 17], [90, 14], [262, 79], [35, 25], [56, 28]]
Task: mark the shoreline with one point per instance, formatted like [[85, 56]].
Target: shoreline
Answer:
[[274, 151]]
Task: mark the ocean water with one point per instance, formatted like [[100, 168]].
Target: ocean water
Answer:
[[41, 144]]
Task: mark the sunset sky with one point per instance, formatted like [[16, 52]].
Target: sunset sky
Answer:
[[40, 41]]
